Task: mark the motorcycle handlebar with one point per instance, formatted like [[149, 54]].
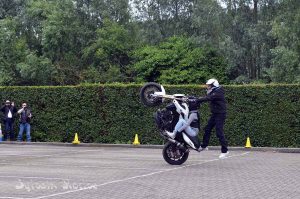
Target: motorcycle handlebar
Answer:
[[184, 98], [181, 98]]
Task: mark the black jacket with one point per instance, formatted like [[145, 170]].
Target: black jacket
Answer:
[[25, 116], [217, 100], [5, 109]]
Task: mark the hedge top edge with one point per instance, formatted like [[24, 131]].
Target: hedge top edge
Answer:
[[138, 85]]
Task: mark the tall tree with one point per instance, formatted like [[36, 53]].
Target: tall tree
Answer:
[[249, 43], [286, 55], [109, 54], [11, 8], [75, 41], [179, 61], [161, 19], [12, 51]]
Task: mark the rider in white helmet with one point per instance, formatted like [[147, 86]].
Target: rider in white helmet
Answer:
[[212, 83], [216, 97]]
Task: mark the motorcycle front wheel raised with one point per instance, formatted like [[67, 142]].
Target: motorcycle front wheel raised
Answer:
[[145, 94], [173, 154]]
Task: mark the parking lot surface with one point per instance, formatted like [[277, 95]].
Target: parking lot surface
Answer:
[[43, 171]]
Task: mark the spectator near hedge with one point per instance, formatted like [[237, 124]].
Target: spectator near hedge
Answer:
[[8, 110], [25, 117]]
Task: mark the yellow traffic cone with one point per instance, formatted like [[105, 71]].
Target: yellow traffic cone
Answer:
[[76, 141], [136, 140], [248, 144]]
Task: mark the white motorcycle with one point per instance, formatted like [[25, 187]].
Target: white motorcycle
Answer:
[[176, 150]]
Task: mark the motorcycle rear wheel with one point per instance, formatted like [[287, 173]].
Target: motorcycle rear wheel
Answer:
[[145, 94], [173, 154]]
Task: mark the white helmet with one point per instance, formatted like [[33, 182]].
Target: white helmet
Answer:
[[213, 82]]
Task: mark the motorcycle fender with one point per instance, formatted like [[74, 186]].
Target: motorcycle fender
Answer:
[[188, 141], [162, 92]]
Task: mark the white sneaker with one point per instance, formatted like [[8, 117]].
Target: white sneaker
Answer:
[[223, 155], [171, 134]]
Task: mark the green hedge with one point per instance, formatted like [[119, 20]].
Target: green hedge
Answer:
[[269, 114]]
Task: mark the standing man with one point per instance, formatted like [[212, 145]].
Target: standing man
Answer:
[[8, 110], [25, 116], [216, 97]]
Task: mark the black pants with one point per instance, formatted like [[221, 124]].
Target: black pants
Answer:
[[216, 120], [9, 131]]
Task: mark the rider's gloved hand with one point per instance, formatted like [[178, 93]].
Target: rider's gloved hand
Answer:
[[192, 99], [185, 99]]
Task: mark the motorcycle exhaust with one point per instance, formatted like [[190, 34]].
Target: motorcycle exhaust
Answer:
[[178, 144]]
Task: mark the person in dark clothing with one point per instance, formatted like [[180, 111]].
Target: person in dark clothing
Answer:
[[8, 110], [25, 117], [216, 97]]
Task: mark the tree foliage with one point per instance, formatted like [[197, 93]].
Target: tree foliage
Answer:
[[286, 56], [62, 42], [179, 61]]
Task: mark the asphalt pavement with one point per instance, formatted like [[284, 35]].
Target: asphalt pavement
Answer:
[[53, 171]]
